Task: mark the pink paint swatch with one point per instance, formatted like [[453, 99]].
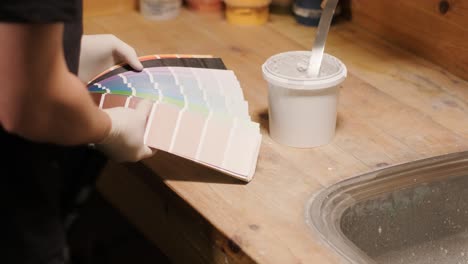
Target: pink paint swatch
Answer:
[[162, 126], [215, 141], [189, 134], [113, 100], [133, 102], [242, 152], [96, 98]]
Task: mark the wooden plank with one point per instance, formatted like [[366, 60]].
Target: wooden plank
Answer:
[[386, 116], [434, 29], [257, 215], [164, 218], [107, 7]]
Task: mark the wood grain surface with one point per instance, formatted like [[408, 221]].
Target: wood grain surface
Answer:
[[434, 29], [394, 107], [108, 7]]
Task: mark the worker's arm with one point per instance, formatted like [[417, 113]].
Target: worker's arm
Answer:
[[42, 101]]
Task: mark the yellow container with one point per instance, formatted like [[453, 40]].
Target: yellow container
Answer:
[[247, 12]]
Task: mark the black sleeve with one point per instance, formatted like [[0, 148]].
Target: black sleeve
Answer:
[[39, 11]]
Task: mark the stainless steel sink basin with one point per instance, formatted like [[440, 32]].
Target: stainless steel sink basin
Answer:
[[411, 213]]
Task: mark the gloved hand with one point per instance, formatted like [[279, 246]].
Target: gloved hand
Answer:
[[99, 52], [125, 139]]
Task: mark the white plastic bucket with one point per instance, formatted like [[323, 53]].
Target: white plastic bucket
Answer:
[[302, 110], [160, 9]]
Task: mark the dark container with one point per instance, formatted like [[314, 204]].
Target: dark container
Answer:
[[308, 12]]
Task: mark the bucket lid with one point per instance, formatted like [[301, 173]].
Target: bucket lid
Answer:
[[289, 70]]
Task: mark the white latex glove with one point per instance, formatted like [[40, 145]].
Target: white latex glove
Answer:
[[100, 52], [125, 139]]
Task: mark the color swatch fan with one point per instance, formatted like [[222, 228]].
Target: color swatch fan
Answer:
[[199, 111]]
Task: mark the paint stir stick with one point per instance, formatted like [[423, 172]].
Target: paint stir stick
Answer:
[[320, 38]]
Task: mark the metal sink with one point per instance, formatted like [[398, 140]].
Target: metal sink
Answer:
[[410, 213]]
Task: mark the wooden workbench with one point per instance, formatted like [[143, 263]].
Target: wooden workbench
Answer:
[[394, 107]]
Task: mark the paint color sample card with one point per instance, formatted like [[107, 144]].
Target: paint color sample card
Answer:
[[199, 111]]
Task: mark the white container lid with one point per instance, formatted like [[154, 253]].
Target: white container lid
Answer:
[[289, 70]]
